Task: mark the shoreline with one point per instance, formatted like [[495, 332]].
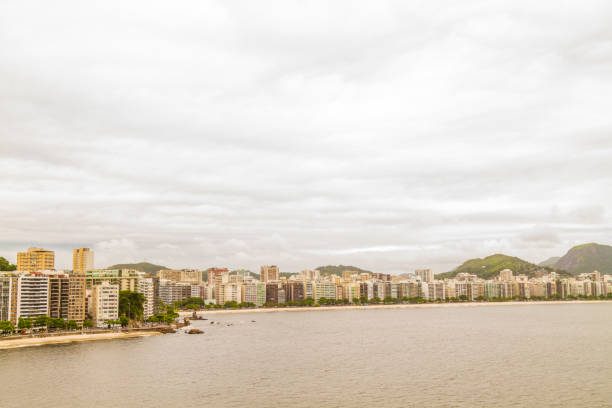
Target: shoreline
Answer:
[[71, 338], [393, 306]]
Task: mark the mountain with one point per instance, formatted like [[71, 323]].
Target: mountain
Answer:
[[490, 267], [550, 261], [586, 258], [142, 267], [337, 270]]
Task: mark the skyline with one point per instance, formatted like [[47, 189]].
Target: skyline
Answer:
[[242, 134]]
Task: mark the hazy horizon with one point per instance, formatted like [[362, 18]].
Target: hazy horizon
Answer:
[[386, 135]]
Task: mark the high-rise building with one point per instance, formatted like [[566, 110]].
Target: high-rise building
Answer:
[[104, 303], [35, 259], [59, 296], [32, 296], [294, 291], [269, 273], [82, 260], [212, 273], [76, 298], [254, 292], [147, 286], [506, 275], [426, 275], [187, 275]]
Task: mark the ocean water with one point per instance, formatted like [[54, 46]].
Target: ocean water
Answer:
[[544, 355]]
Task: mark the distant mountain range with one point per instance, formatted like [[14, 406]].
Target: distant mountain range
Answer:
[[580, 259], [141, 266], [585, 258]]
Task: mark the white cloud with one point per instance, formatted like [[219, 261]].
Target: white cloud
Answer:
[[391, 135]]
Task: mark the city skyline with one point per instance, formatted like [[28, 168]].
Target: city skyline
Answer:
[[409, 136]]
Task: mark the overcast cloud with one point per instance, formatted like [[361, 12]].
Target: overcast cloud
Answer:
[[387, 135]]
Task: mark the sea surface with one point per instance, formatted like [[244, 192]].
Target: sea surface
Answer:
[[499, 356]]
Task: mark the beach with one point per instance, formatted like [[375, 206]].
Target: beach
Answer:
[[393, 306], [70, 338]]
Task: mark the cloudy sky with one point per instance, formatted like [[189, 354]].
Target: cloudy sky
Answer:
[[387, 135]]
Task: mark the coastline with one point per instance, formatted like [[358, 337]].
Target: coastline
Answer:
[[378, 307], [70, 338]]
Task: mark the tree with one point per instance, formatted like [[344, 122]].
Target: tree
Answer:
[[41, 321], [72, 325], [87, 324], [6, 327], [57, 323], [23, 324], [5, 265], [131, 305]]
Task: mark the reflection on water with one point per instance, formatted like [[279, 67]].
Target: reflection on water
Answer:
[[502, 356]]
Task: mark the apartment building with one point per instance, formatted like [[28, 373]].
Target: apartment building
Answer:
[[82, 260], [35, 259], [269, 273], [104, 303]]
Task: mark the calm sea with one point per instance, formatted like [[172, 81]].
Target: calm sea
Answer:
[[500, 356]]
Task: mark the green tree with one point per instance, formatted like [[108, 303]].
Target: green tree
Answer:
[[72, 325], [6, 327], [23, 324], [5, 265], [131, 305], [87, 324], [41, 321]]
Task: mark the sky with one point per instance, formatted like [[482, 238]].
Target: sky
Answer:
[[386, 135]]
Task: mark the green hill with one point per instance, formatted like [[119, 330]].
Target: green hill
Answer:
[[586, 258], [550, 261], [338, 269], [142, 267], [5, 265], [490, 267]]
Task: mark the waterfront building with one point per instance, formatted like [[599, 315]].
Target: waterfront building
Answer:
[[366, 289], [171, 291], [294, 291], [76, 298], [59, 296], [254, 292], [426, 275], [104, 303], [23, 294], [35, 259], [269, 273], [149, 287], [323, 289], [350, 291], [229, 292], [82, 260]]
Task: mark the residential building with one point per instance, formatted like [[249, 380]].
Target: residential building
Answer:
[[269, 273], [149, 287], [186, 275], [35, 259], [426, 275], [506, 275], [82, 260], [104, 303]]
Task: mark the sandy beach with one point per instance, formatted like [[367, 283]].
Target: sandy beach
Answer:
[[70, 338], [399, 306]]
